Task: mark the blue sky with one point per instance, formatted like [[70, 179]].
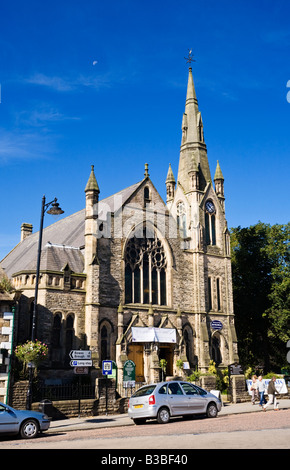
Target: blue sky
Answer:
[[104, 83]]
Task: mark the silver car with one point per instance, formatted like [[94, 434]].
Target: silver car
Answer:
[[175, 398], [23, 422]]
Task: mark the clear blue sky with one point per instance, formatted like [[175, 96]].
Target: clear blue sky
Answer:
[[104, 83]]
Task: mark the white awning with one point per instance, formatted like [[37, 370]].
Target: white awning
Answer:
[[153, 335]]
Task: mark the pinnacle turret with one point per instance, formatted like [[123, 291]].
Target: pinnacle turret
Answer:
[[92, 184]]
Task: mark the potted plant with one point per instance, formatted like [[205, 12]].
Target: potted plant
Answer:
[[31, 353], [163, 364]]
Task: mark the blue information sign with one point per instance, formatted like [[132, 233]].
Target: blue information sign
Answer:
[[107, 367]]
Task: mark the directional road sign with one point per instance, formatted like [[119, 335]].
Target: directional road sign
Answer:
[[79, 354], [81, 370], [81, 363]]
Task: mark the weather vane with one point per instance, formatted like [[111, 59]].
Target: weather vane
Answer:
[[189, 59]]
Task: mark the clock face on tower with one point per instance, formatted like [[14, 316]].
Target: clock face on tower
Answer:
[[209, 205]]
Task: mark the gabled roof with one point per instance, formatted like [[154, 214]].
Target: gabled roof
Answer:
[[62, 241]]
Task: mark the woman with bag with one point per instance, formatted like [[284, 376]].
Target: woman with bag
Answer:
[[254, 389]]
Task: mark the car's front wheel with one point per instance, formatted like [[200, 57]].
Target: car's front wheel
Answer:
[[29, 429], [163, 416], [211, 411]]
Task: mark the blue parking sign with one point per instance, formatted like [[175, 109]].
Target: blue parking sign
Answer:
[[107, 367]]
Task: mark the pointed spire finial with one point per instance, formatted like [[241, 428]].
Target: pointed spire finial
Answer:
[[146, 174]]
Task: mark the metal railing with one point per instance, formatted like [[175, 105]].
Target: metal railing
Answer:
[[128, 391], [64, 392]]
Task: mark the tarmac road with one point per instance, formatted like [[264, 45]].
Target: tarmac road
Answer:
[[245, 430]]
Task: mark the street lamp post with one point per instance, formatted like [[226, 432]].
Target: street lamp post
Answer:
[[54, 210]]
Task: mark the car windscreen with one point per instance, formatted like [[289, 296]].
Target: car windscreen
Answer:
[[142, 392]]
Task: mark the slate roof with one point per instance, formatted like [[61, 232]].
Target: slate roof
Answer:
[[62, 242]]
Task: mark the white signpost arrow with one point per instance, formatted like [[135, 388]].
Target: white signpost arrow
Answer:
[[79, 354]]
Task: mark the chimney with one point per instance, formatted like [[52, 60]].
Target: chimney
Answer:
[[26, 230]]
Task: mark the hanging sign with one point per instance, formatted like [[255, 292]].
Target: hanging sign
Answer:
[[153, 335]]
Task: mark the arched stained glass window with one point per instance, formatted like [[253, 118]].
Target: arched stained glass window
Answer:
[[145, 271]]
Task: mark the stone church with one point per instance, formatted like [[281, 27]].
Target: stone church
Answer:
[[133, 277]]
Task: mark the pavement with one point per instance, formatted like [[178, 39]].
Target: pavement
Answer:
[[114, 420]]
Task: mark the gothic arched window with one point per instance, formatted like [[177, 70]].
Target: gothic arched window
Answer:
[[145, 271], [181, 218], [69, 334], [106, 340], [56, 340], [56, 331], [210, 221]]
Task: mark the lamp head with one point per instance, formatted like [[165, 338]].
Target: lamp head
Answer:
[[55, 209]]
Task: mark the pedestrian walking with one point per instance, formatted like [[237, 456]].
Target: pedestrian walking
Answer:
[[261, 390], [272, 395], [254, 389]]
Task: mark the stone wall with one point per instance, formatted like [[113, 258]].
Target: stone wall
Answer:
[[70, 408]]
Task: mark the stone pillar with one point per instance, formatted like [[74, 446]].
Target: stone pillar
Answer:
[[237, 389]]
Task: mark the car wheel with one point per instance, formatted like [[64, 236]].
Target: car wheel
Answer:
[[29, 429], [211, 411], [163, 416], [139, 420]]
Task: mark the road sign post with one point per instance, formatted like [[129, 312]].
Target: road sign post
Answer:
[[81, 361], [107, 367]]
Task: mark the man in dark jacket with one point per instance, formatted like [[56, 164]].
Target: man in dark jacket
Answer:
[[272, 395]]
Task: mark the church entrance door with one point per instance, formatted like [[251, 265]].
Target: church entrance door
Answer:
[[166, 352], [135, 354]]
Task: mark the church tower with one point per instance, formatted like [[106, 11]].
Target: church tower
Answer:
[[198, 208]]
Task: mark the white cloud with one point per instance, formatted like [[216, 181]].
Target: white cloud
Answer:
[[67, 84], [42, 116], [23, 146], [57, 83]]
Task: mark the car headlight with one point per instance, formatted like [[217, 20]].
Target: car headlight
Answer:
[[45, 417]]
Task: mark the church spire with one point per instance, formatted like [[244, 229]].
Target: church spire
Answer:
[[192, 143]]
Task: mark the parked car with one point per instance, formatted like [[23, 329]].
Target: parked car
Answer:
[[174, 398], [24, 422]]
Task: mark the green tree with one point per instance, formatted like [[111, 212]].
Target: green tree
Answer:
[[278, 313], [5, 284], [260, 263]]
